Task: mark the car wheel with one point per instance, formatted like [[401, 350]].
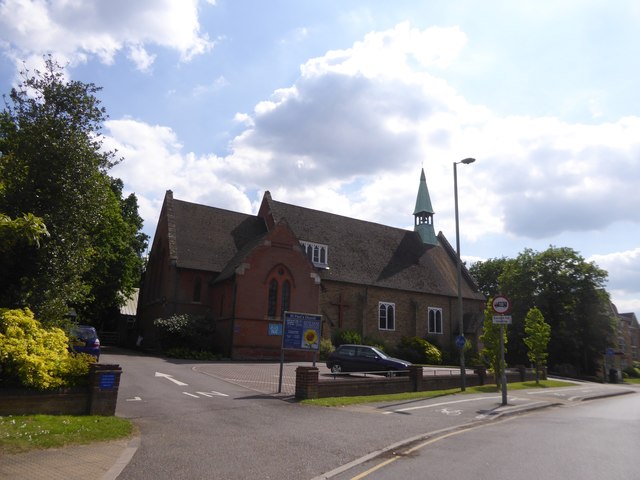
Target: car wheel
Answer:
[[336, 368]]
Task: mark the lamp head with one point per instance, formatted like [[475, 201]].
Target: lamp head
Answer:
[[467, 161]]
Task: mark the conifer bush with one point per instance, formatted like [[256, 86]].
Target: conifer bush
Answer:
[[37, 357]]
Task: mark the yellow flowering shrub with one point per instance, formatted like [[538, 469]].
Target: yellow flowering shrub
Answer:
[[36, 356]]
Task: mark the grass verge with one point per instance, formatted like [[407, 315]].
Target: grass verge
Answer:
[[27, 432], [344, 401]]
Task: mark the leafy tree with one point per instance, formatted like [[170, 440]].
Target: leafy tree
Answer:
[[53, 165], [487, 275], [117, 261], [28, 228], [537, 340], [571, 296], [490, 340]]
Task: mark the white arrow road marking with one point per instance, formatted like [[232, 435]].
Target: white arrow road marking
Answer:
[[191, 394], [169, 377], [213, 393], [448, 412], [134, 399]]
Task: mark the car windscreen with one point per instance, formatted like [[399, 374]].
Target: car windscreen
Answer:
[[85, 333]]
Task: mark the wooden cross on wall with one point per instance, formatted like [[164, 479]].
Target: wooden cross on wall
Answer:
[[340, 306]]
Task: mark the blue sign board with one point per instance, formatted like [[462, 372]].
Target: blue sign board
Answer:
[[460, 341], [275, 329], [301, 331], [107, 381]]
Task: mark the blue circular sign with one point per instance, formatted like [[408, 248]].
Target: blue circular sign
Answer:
[[460, 341]]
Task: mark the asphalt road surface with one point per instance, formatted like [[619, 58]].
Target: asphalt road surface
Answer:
[[588, 441], [203, 420]]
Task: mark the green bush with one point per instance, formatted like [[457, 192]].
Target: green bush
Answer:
[[632, 372], [37, 357], [375, 342], [326, 347], [418, 350], [184, 331], [346, 336]]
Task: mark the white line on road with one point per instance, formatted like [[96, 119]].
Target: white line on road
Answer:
[[437, 405], [191, 394], [213, 394], [169, 377]]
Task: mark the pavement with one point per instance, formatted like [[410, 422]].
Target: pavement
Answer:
[[106, 460]]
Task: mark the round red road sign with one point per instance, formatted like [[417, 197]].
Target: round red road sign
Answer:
[[501, 304]]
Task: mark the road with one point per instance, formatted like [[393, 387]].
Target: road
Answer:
[[193, 424], [587, 440]]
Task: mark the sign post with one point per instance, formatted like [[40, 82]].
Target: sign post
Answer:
[[501, 305], [301, 331]]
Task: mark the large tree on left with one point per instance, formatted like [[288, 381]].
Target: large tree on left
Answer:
[[53, 165]]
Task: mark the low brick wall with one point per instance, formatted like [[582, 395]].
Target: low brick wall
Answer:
[[99, 397], [309, 385]]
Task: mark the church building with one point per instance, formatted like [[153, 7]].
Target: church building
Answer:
[[242, 272]]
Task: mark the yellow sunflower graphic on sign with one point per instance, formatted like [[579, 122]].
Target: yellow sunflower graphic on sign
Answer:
[[310, 338]]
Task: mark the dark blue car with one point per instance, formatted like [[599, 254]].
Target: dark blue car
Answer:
[[84, 339], [363, 358]]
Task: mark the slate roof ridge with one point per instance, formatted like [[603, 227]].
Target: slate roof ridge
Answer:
[[325, 213], [203, 206]]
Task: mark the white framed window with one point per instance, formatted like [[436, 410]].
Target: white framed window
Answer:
[[435, 321], [386, 316], [317, 253]]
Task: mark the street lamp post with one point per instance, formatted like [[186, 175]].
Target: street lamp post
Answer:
[[463, 380]]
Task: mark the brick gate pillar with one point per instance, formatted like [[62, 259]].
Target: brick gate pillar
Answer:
[[104, 381], [307, 382], [415, 375]]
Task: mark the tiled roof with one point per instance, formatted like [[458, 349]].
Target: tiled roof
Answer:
[[373, 254], [207, 238], [360, 252]]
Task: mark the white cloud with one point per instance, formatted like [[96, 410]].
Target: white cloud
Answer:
[[372, 112], [352, 133], [142, 59], [154, 162], [218, 84], [77, 30]]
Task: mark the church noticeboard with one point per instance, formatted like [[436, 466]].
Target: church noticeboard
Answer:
[[301, 331]]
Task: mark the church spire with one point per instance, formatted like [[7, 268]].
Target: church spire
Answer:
[[423, 214]]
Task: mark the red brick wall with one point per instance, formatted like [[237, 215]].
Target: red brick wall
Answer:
[[279, 256]]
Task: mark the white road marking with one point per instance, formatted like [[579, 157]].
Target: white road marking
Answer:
[[210, 394], [448, 412], [213, 393], [134, 399], [437, 404], [169, 377]]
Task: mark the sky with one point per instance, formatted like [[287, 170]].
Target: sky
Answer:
[[337, 105]]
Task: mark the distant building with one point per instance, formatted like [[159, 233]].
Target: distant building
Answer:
[[628, 339], [241, 272]]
